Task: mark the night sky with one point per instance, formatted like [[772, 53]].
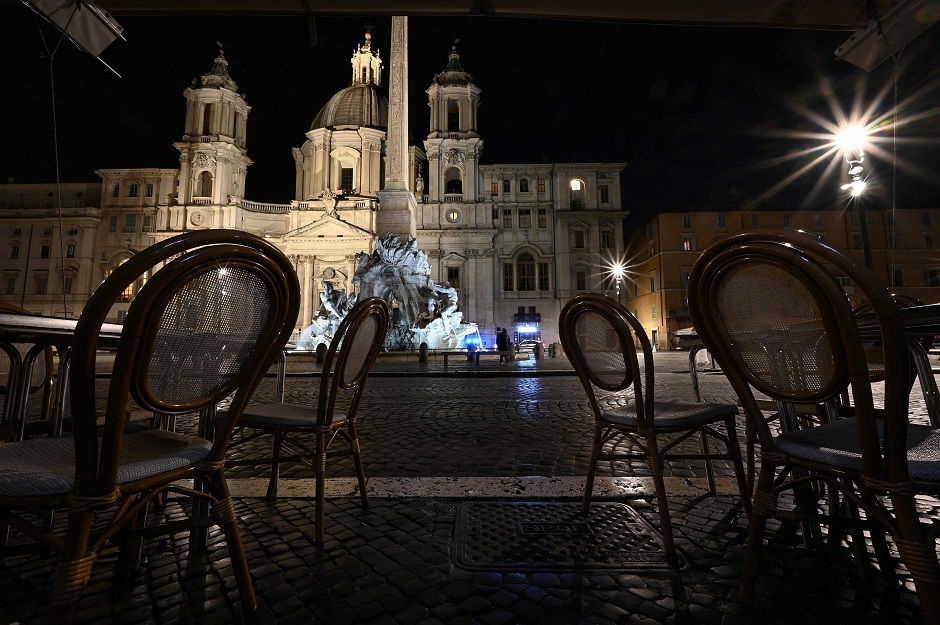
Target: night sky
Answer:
[[699, 114]]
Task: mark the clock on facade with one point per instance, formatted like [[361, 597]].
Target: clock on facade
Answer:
[[197, 217]]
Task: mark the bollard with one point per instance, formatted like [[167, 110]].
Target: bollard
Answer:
[[321, 353], [539, 351], [423, 353]]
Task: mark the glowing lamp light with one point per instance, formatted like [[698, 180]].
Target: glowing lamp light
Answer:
[[526, 329], [851, 140]]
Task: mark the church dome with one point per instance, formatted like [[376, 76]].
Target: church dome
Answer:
[[356, 105]]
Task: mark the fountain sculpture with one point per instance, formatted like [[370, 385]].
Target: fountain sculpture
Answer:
[[399, 273]]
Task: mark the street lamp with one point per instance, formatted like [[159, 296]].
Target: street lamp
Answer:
[[618, 270], [851, 140]]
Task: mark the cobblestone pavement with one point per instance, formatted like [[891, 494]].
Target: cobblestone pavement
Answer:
[[394, 562]]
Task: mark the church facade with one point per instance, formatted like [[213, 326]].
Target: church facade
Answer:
[[515, 240]]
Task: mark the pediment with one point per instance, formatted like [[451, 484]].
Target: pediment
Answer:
[[329, 226], [454, 257]]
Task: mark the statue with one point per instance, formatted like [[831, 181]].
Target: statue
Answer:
[[398, 272]]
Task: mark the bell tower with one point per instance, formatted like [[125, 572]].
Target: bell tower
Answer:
[[213, 161], [453, 144]]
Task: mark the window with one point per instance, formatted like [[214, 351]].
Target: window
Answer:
[[112, 223], [817, 220], [44, 250], [148, 224], [67, 285], [686, 272], [580, 241], [507, 218], [892, 241], [607, 240], [853, 219], [17, 231], [721, 220], [870, 219], [541, 184], [688, 244], [453, 215], [889, 218], [785, 219], [928, 241], [577, 195], [73, 232], [755, 222], [40, 285], [150, 190], [652, 312], [47, 231], [525, 267], [543, 277], [542, 216], [453, 276], [933, 277], [649, 229], [10, 287], [70, 250], [896, 273], [856, 241], [580, 280], [686, 220], [603, 194], [14, 250], [494, 188], [525, 218], [130, 222], [925, 217], [507, 186], [651, 251], [346, 178], [116, 191], [652, 283], [133, 190], [524, 185], [507, 276]]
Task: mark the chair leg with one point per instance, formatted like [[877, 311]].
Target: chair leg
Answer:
[[74, 568], [275, 466], [321, 486], [357, 458], [709, 472], [763, 506], [918, 553], [592, 468], [655, 461], [223, 510], [734, 448]]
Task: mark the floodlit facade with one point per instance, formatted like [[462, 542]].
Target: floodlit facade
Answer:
[[515, 240], [904, 248]]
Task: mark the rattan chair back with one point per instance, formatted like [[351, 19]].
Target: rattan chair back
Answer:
[[352, 353]]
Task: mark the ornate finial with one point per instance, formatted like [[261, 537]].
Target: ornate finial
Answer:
[[368, 28], [221, 50], [454, 47]]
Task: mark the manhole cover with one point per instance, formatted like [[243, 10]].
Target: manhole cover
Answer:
[[549, 536]]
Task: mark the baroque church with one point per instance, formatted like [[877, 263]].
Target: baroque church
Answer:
[[516, 241]]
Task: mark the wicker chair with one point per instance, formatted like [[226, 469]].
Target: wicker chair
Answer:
[[598, 336], [202, 328], [42, 374], [349, 359], [779, 322]]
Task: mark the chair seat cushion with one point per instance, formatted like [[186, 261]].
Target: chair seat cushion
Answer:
[[46, 466], [837, 443], [283, 415], [669, 414]]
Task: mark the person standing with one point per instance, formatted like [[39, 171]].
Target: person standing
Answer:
[[502, 344]]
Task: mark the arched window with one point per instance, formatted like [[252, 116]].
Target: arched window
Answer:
[[133, 190], [452, 182], [207, 120], [525, 272], [205, 184]]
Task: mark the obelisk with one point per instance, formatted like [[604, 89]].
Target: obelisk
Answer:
[[397, 203]]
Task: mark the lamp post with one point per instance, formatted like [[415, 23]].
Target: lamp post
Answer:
[[851, 140]]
